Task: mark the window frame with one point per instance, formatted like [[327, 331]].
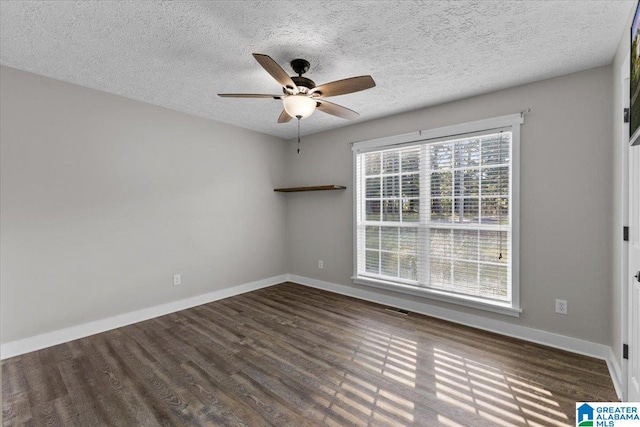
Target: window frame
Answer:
[[510, 122]]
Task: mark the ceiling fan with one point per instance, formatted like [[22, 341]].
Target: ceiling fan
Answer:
[[301, 97]]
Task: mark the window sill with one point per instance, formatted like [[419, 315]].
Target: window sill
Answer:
[[466, 301]]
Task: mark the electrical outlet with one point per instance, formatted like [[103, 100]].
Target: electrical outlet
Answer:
[[320, 264], [177, 280], [561, 306]]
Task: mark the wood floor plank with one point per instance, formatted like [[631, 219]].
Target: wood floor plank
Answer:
[[290, 355]]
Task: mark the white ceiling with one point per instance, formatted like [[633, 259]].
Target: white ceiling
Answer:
[[179, 54]]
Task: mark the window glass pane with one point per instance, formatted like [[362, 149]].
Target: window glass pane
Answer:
[[372, 164], [441, 184], [441, 210], [389, 263], [495, 210], [467, 182], [372, 237], [373, 188], [391, 210], [391, 186], [408, 240], [495, 149], [465, 277], [411, 185], [410, 210], [390, 162], [493, 281], [389, 238], [492, 244], [372, 263], [495, 181], [441, 155], [408, 267], [466, 211], [373, 210], [467, 153], [440, 242], [440, 273], [410, 160], [465, 244]]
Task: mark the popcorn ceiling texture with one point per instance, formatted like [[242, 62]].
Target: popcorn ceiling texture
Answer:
[[180, 54]]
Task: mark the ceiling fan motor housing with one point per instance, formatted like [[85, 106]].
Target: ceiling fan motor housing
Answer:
[[303, 82]]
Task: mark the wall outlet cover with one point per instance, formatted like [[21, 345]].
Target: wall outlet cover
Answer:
[[561, 306]]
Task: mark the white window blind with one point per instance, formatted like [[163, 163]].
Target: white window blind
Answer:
[[437, 215]]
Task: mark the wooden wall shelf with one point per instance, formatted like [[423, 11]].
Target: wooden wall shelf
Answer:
[[313, 188]]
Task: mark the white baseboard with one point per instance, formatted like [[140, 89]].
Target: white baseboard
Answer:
[[616, 374], [550, 339], [38, 342]]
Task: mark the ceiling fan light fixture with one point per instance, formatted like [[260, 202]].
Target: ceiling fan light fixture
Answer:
[[299, 106]]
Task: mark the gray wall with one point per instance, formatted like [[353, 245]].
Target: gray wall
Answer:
[[565, 192], [103, 199]]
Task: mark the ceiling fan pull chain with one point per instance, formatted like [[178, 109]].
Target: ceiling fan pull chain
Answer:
[[298, 134]]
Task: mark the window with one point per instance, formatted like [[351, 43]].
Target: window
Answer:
[[436, 215]]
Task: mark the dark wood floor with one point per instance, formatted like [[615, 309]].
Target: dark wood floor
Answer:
[[289, 355]]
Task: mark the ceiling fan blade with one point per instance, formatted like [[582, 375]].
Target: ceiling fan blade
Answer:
[[342, 87], [276, 71], [248, 95], [284, 117], [336, 110]]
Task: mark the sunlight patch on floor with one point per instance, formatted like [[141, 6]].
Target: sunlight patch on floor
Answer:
[[448, 422], [388, 355], [492, 393], [462, 384]]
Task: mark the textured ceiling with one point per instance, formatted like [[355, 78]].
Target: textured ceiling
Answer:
[[179, 54]]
